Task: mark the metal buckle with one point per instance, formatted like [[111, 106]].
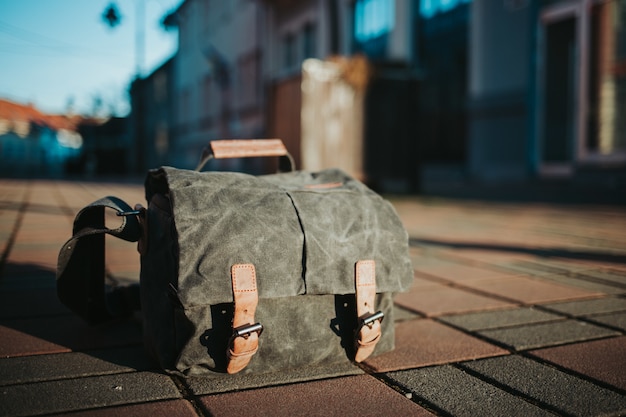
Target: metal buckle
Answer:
[[130, 213], [369, 320], [245, 330]]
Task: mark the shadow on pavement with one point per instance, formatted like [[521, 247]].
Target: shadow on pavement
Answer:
[[547, 192], [540, 252], [34, 322]]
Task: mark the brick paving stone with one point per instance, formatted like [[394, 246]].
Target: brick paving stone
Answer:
[[170, 408], [460, 273], [21, 337], [485, 256], [37, 368], [426, 342], [420, 283], [499, 318], [556, 390], [401, 314], [351, 396], [16, 343], [455, 392], [446, 300], [616, 320], [528, 290], [589, 307], [585, 284], [547, 334], [84, 393], [604, 360], [540, 268], [225, 383]]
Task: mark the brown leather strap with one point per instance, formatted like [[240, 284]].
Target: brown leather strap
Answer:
[[369, 330], [245, 339]]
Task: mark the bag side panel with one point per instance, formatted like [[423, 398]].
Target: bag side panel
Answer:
[[158, 270]]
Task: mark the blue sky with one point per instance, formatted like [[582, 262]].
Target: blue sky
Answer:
[[56, 52]]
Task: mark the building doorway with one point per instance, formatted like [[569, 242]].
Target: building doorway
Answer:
[[581, 85]]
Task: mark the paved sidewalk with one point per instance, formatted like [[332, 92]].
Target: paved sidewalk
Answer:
[[516, 309]]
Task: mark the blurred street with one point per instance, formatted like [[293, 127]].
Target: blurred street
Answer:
[[517, 308]]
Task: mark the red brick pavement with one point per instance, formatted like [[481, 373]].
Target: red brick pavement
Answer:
[[492, 280]]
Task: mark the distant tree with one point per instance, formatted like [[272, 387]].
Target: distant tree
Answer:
[[111, 16]]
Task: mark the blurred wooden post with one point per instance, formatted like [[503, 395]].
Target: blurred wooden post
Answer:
[[333, 94]]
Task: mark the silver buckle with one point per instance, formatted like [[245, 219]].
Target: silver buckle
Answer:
[[245, 330], [369, 320]]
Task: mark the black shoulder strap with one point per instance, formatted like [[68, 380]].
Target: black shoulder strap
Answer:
[[81, 267]]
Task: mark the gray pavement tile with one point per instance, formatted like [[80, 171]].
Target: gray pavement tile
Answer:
[[547, 334], [225, 383], [84, 393], [28, 369], [614, 277], [169, 408], [557, 390], [616, 320], [361, 395], [589, 307], [455, 392], [500, 318]]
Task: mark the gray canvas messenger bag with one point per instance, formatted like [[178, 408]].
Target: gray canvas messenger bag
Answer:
[[243, 273]]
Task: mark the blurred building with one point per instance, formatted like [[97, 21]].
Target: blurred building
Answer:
[[217, 78], [108, 146], [152, 122], [547, 90], [33, 143], [455, 90]]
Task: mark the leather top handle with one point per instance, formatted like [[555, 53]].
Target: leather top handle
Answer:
[[245, 148]]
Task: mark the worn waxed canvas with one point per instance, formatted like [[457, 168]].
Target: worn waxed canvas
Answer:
[[303, 231]]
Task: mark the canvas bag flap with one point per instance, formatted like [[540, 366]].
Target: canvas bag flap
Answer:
[[303, 232]]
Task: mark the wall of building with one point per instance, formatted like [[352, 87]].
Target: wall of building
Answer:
[[216, 75], [499, 75]]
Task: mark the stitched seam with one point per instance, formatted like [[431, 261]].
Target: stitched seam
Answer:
[[236, 269], [371, 282]]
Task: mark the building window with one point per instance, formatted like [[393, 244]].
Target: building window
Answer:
[[429, 8], [373, 19]]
